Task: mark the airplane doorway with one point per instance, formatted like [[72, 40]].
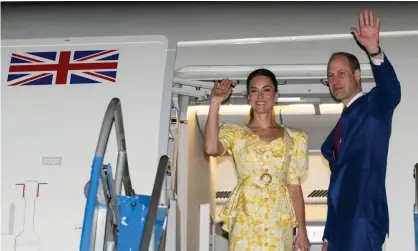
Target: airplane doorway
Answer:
[[304, 103]]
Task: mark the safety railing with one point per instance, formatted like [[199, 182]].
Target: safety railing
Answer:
[[158, 198], [113, 115]]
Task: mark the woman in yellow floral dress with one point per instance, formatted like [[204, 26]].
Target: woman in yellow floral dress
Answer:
[[267, 203]]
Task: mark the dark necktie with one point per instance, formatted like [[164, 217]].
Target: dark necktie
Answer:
[[337, 136]]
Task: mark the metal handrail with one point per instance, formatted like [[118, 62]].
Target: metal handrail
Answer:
[[113, 115], [153, 204], [416, 188]]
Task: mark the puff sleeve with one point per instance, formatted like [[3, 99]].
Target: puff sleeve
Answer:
[[227, 137], [299, 164]]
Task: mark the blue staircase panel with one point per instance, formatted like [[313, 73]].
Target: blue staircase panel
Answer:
[[133, 214], [159, 223]]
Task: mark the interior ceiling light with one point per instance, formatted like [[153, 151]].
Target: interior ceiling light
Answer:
[[298, 100], [289, 99], [331, 108], [287, 109], [245, 109]]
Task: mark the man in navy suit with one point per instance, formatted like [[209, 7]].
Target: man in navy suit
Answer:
[[357, 148]]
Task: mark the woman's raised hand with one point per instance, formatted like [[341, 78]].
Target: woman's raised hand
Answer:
[[221, 91]]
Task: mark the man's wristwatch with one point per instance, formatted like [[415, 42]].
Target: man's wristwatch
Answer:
[[377, 53]]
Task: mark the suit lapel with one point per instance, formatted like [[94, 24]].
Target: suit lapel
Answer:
[[350, 123]]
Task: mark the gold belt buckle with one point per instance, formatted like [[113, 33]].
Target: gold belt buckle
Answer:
[[266, 178]]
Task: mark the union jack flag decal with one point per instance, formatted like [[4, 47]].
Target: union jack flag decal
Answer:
[[63, 67]]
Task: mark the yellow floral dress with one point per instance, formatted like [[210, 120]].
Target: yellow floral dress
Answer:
[[259, 215]]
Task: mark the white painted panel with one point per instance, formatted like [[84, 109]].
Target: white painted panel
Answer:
[[64, 121]]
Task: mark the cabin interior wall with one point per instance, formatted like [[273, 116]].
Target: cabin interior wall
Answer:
[[213, 179], [403, 146], [194, 184], [318, 173]]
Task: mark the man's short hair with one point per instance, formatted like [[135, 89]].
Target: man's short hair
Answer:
[[352, 60]]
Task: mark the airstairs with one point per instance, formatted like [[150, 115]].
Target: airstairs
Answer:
[[128, 222]]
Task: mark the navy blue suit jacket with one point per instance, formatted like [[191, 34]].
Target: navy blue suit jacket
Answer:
[[357, 204]]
